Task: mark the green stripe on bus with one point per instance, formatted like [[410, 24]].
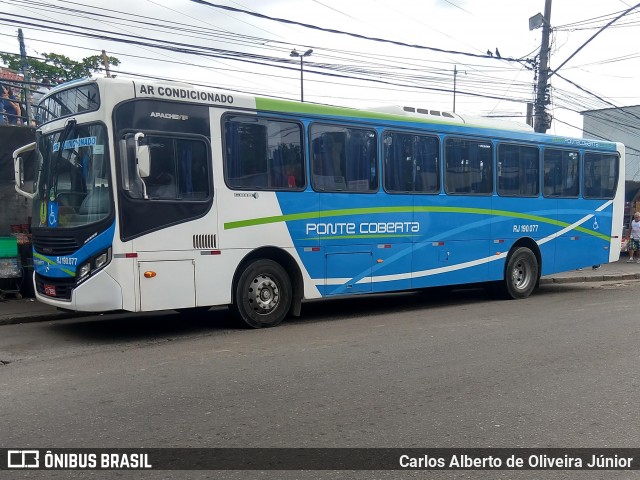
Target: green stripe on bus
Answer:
[[377, 210], [51, 262], [287, 106], [310, 215]]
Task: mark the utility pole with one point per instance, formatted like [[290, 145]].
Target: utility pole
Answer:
[[105, 62], [26, 75], [541, 123], [455, 74]]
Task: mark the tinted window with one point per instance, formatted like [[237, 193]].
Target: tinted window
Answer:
[[561, 173], [468, 166], [411, 163], [600, 175], [343, 159], [69, 102], [263, 154], [179, 170], [518, 170]]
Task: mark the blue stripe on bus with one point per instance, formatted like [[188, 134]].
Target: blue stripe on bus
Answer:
[[65, 266]]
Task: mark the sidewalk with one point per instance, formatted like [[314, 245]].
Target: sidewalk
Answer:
[[29, 310], [620, 270]]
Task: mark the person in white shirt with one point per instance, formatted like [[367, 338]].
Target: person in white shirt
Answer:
[[634, 237]]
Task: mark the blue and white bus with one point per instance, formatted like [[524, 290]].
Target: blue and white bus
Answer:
[[152, 196]]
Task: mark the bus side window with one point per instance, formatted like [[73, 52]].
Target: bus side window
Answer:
[[263, 154], [427, 165], [343, 159], [361, 161], [411, 163], [600, 175], [285, 162], [468, 166], [518, 170], [327, 162], [561, 173], [322, 156]]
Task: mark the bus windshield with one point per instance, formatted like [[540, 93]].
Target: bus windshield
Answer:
[[73, 181]]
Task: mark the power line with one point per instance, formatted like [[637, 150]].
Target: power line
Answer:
[[599, 97], [594, 22], [589, 40], [396, 74], [241, 56], [341, 32]]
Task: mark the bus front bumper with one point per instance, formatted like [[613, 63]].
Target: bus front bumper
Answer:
[[99, 293]]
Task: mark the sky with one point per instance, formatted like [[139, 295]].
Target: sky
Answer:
[[391, 52]]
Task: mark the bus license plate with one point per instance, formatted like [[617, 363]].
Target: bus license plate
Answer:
[[50, 290]]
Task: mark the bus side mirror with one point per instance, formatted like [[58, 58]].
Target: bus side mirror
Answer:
[[143, 157], [19, 169]]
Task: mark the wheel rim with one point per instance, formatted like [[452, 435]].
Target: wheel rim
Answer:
[[521, 274], [263, 294]]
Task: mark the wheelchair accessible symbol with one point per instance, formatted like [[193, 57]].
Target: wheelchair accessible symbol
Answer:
[[52, 217], [595, 223]]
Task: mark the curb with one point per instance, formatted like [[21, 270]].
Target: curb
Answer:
[[64, 315], [590, 278], [43, 317]]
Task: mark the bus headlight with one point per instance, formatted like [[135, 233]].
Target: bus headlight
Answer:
[[84, 270], [94, 264], [101, 260]]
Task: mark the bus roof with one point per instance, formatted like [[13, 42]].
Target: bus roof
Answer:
[[412, 114]]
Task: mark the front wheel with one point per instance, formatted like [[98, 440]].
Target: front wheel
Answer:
[[521, 274], [262, 294]]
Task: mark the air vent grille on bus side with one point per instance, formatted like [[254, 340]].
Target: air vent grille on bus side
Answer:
[[204, 241], [54, 245]]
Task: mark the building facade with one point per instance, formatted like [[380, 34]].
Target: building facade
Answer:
[[618, 125]]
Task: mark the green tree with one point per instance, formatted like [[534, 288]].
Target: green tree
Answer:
[[57, 68]]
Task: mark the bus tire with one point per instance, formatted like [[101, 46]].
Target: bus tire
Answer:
[[262, 295], [521, 274]]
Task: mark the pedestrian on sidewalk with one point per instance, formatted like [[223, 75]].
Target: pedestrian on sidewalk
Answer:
[[634, 237]]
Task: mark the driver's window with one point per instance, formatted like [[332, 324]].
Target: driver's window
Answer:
[[179, 169], [162, 180]]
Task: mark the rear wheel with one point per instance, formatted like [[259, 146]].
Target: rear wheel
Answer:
[[521, 274], [262, 294]]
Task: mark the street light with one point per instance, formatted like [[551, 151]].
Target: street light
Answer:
[[294, 53]]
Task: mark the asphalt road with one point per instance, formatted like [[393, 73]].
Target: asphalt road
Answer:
[[559, 369]]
